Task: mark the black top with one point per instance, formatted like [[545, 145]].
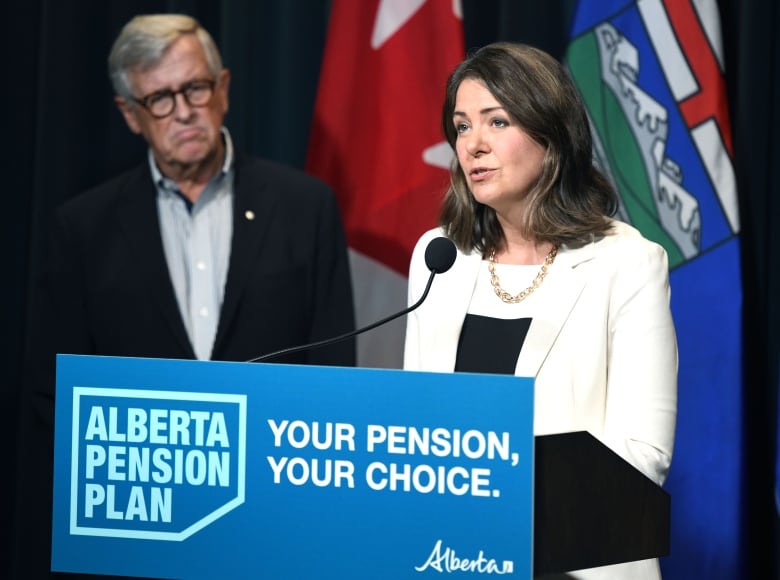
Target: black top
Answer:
[[490, 345]]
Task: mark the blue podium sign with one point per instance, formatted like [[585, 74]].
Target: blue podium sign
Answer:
[[193, 469]]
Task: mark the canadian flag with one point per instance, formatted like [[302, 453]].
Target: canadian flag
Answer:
[[377, 140]]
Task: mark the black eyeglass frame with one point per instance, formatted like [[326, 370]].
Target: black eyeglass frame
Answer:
[[185, 90]]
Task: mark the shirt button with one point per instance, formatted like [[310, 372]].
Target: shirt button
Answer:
[[201, 265], [204, 312]]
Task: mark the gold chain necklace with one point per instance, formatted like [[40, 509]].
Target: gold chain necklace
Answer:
[[506, 296]]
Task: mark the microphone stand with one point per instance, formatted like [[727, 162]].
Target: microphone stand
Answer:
[[347, 335]]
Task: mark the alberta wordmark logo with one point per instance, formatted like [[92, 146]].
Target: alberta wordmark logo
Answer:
[[444, 559], [154, 464]]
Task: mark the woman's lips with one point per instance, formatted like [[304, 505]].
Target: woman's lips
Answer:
[[481, 173]]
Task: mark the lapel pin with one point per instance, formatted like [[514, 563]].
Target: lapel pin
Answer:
[[249, 214]]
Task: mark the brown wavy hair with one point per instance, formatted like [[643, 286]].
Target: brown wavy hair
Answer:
[[573, 201]]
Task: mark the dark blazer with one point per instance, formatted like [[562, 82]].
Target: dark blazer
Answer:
[[287, 283], [106, 290]]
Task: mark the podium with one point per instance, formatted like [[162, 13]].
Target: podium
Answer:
[[195, 469], [592, 508]]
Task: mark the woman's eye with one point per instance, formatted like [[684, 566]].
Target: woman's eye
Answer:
[[500, 123], [461, 127]]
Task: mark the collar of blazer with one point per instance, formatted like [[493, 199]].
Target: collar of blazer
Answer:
[[555, 299]]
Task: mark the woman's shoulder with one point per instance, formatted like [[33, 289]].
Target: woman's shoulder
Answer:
[[626, 248], [623, 248], [625, 237]]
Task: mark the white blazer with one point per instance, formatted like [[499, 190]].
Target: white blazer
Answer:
[[601, 347]]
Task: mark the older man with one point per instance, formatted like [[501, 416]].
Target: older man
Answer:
[[199, 252]]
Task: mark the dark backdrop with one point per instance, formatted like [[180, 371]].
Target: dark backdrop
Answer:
[[65, 135]]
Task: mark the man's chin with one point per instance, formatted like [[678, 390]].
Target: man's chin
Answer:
[[193, 156], [192, 152]]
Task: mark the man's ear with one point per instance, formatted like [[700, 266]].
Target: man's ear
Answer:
[[129, 113], [223, 88]]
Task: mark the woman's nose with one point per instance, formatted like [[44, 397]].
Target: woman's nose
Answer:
[[476, 144]]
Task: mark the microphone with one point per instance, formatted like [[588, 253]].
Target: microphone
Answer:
[[439, 257]]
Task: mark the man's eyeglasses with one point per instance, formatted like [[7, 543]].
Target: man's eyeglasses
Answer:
[[162, 103]]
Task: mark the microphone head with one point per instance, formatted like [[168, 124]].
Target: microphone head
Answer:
[[440, 255]]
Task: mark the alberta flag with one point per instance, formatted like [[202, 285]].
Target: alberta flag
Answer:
[[377, 140], [651, 74]]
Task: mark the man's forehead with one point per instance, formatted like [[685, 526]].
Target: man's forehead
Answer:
[[184, 61]]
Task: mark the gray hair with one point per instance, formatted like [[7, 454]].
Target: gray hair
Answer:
[[143, 42]]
